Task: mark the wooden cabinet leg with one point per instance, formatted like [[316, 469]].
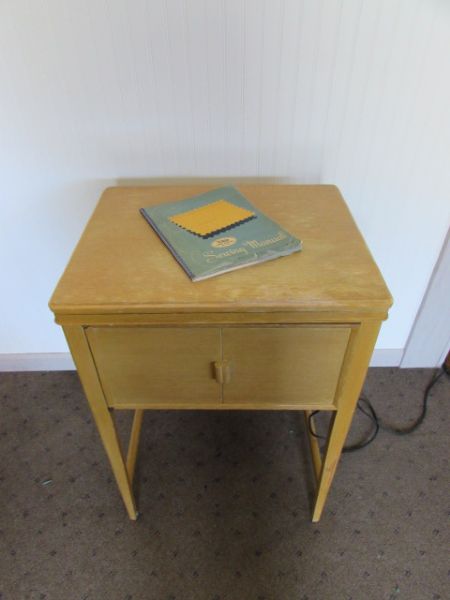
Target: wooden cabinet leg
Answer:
[[134, 442], [356, 362], [340, 424], [102, 415], [108, 433]]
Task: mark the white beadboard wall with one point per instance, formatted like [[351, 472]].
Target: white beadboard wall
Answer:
[[351, 92]]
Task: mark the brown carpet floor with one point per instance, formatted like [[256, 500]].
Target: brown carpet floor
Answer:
[[225, 499]]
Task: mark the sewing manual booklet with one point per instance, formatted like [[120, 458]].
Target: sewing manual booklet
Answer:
[[217, 232]]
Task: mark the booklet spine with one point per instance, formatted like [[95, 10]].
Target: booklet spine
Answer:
[[166, 243]]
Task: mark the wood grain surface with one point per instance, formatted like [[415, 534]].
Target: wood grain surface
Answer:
[[121, 266]]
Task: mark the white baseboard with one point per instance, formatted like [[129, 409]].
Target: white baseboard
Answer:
[[51, 361], [62, 361], [386, 357]]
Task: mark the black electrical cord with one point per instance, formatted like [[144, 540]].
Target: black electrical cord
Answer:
[[420, 419], [377, 423], [372, 415]]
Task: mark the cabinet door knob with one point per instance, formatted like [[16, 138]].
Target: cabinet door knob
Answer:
[[222, 371]]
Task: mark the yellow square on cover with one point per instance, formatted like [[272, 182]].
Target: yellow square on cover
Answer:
[[214, 217]]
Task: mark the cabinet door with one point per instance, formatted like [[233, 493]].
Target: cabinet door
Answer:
[[157, 367], [290, 366]]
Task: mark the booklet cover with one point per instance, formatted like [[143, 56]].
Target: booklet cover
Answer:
[[217, 232]]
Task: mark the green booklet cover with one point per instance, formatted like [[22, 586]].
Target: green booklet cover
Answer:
[[217, 232]]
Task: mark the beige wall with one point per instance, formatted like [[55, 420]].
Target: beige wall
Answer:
[[353, 93]]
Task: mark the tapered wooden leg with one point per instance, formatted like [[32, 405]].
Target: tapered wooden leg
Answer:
[[111, 443], [134, 443], [102, 414], [340, 424], [313, 445], [361, 344]]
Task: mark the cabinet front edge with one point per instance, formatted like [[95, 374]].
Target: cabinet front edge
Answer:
[[210, 318]]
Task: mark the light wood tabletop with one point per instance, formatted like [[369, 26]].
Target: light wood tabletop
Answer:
[[121, 266]]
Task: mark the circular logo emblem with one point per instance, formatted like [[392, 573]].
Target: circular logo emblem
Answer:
[[224, 242]]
